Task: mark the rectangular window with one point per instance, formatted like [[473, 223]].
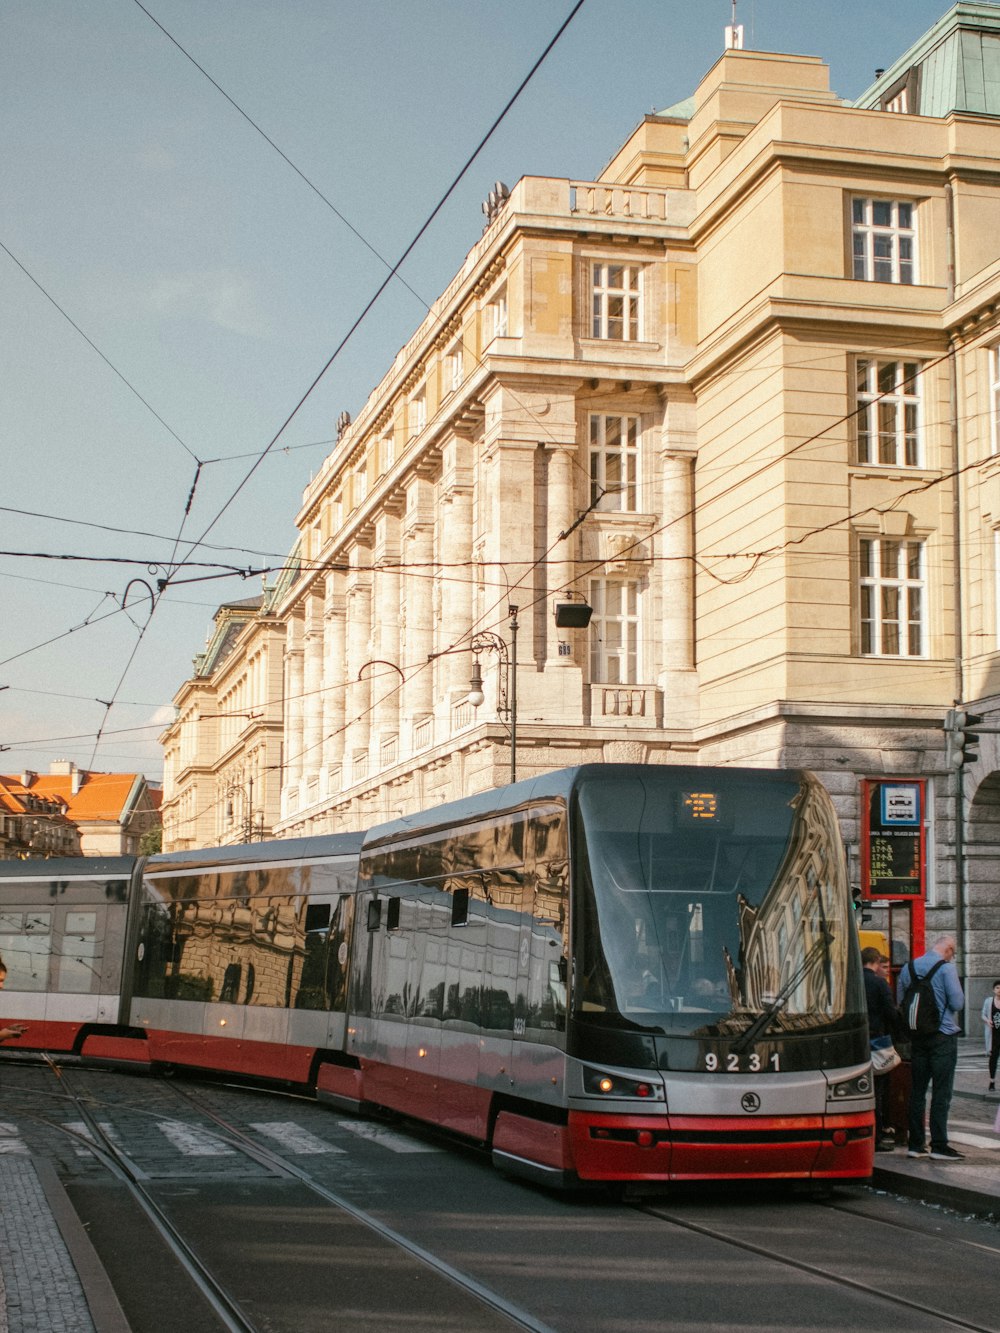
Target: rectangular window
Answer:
[[614, 632], [388, 450], [496, 326], [994, 354], [614, 462], [892, 597], [884, 240], [616, 302], [888, 412], [418, 414], [456, 368]]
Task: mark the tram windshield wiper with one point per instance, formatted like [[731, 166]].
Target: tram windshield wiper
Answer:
[[764, 1019]]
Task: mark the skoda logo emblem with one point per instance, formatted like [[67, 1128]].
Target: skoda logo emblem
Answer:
[[750, 1101]]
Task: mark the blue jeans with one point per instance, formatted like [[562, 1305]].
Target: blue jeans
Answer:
[[932, 1064]]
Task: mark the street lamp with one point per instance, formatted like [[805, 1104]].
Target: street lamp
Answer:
[[251, 826], [487, 641]]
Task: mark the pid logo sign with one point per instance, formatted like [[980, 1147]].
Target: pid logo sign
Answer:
[[900, 805]]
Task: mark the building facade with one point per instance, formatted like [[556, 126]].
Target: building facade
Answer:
[[222, 752], [741, 396]]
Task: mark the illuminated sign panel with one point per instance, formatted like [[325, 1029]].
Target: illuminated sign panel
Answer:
[[892, 839]]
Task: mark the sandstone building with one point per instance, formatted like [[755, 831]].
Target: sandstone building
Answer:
[[740, 395]]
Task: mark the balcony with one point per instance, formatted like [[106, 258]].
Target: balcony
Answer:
[[626, 705]]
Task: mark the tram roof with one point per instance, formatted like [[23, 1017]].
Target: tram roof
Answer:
[[559, 784], [248, 853], [69, 867]]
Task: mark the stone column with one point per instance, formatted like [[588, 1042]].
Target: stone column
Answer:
[[312, 686], [293, 697], [385, 682], [416, 637], [454, 539], [675, 547], [334, 673], [359, 630]]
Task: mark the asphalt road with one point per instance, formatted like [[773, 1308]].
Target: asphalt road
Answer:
[[387, 1227]]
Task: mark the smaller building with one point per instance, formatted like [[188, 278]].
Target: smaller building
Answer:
[[33, 824], [72, 811]]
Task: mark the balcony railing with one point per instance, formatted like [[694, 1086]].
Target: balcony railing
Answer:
[[636, 705], [643, 203]]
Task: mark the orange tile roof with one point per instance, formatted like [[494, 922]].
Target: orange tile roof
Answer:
[[102, 796]]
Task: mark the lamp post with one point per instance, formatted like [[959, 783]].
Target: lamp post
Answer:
[[487, 641], [251, 827]]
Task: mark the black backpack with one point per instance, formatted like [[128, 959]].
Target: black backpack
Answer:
[[921, 1015]]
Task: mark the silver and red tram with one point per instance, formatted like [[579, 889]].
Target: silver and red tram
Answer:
[[607, 973]]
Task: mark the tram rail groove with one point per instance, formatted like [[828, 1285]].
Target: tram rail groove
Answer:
[[222, 1303], [815, 1270], [266, 1157]]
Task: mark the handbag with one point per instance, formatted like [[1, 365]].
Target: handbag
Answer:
[[884, 1055]]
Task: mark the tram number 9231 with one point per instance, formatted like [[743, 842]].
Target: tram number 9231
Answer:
[[751, 1063]]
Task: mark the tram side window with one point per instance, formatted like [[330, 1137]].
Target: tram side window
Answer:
[[26, 946], [79, 955], [324, 976]]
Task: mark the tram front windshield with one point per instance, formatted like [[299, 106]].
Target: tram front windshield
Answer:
[[705, 906]]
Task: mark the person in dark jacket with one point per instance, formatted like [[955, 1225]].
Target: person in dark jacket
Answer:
[[882, 1018]]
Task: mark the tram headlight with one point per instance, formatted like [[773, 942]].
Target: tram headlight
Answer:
[[858, 1086], [605, 1084]]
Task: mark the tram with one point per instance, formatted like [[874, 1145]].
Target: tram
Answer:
[[607, 973]]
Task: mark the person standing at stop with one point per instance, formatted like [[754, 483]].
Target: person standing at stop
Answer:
[[933, 1058], [991, 1027]]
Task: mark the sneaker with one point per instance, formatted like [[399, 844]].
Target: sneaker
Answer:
[[947, 1155], [918, 1152], [885, 1144]]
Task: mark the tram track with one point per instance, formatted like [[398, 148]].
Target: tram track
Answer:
[[841, 1280], [872, 1276], [226, 1307]]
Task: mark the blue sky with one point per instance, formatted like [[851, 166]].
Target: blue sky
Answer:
[[171, 287]]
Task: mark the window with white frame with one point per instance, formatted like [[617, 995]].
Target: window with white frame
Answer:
[[614, 631], [994, 355], [614, 462], [418, 413], [884, 240], [888, 412], [456, 368], [893, 596], [496, 316], [996, 590], [360, 484], [617, 302]]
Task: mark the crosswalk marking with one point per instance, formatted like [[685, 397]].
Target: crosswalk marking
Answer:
[[385, 1138], [293, 1138], [82, 1130], [10, 1141], [192, 1141]]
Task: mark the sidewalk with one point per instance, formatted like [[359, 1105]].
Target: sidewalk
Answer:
[[972, 1186], [50, 1276]]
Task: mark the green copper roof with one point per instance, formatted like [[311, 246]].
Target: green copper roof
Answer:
[[955, 66]]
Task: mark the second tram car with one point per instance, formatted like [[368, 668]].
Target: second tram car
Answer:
[[607, 973]]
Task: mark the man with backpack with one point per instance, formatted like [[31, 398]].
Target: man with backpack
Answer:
[[930, 1000]]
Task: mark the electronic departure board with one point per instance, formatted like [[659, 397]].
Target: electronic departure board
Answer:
[[893, 845]]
